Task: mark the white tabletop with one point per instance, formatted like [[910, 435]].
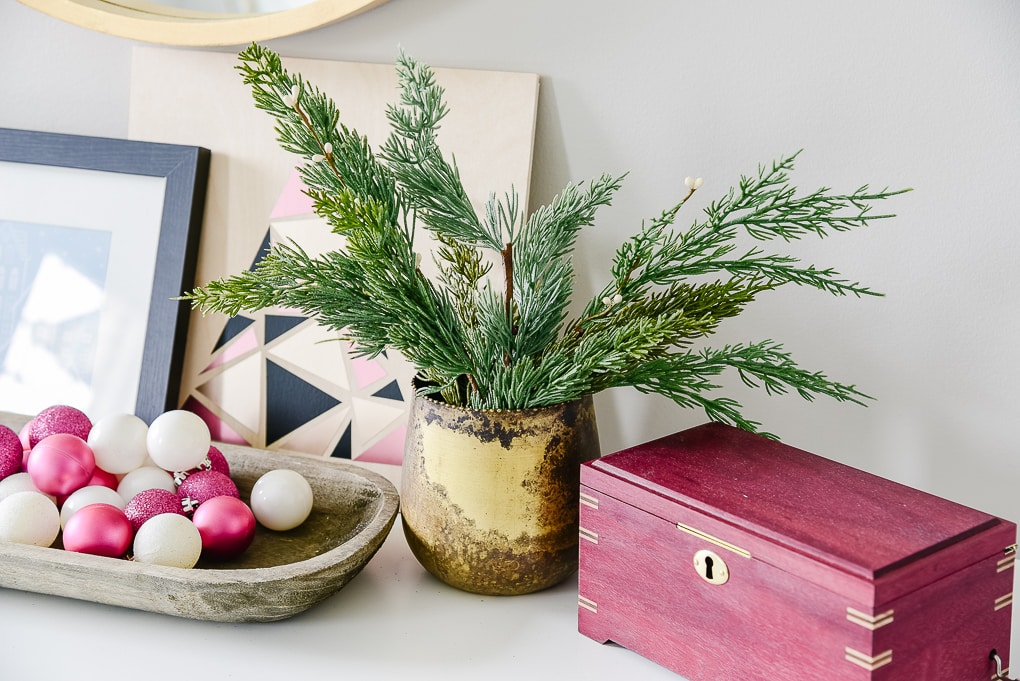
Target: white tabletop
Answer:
[[392, 621]]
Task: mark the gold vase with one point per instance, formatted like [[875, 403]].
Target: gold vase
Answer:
[[489, 498]]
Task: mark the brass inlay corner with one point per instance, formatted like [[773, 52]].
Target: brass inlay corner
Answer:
[[867, 621], [585, 533], [715, 540], [590, 501], [1004, 601], [866, 661], [588, 604]]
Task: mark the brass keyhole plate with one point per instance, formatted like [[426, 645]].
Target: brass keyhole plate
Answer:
[[710, 567]]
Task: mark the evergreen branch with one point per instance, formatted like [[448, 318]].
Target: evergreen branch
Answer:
[[432, 185]]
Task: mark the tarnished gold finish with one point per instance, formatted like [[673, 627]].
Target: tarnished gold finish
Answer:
[[715, 540], [489, 499]]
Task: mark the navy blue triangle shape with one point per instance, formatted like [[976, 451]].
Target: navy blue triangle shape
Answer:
[[262, 252], [390, 391], [343, 447], [291, 402], [277, 325], [235, 325]]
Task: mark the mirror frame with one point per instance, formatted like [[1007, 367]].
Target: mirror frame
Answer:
[[170, 26]]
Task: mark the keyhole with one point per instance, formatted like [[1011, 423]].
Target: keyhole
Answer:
[[711, 567]]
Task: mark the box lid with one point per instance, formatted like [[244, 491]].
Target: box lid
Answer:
[[804, 504]]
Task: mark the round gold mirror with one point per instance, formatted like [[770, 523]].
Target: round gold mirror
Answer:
[[201, 22]]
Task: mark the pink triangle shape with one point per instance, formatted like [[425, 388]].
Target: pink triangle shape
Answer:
[[388, 450], [293, 200], [244, 343], [219, 430]]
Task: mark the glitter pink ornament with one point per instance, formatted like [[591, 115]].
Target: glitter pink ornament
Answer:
[[98, 529], [227, 527], [61, 463], [201, 486], [152, 502], [59, 418], [11, 452], [214, 461]]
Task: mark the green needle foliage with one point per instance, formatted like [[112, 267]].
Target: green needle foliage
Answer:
[[506, 340]]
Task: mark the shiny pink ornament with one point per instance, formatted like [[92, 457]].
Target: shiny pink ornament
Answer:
[[11, 452], [215, 461], [59, 418], [104, 478], [61, 463], [151, 502], [201, 486], [99, 529], [227, 527]]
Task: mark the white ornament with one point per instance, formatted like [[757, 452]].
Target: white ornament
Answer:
[[93, 494], [281, 499], [168, 539], [118, 441], [178, 440], [141, 479], [29, 518]]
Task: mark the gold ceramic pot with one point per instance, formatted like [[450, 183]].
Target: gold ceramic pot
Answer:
[[489, 498]]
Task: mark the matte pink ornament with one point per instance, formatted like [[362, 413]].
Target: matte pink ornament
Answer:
[[59, 418], [201, 486], [61, 463], [12, 452], [152, 502], [227, 527], [99, 529]]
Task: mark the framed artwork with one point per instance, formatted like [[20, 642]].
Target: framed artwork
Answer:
[[97, 238], [276, 379]]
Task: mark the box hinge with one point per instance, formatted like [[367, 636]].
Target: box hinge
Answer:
[[868, 662], [867, 621], [1007, 562], [714, 540]]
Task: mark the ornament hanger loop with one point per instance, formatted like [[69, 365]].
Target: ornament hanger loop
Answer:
[[998, 667]]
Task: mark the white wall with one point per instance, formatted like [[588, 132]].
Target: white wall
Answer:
[[916, 93]]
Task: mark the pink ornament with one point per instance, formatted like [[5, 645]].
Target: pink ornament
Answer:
[[103, 478], [214, 461], [61, 463], [152, 502], [99, 529], [201, 486], [11, 452], [227, 527], [58, 419]]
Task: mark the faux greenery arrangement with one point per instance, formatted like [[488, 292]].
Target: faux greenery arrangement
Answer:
[[506, 342]]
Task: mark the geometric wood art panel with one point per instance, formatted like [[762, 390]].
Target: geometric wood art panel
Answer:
[[275, 379]]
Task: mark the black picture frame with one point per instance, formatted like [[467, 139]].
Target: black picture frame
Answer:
[[185, 170]]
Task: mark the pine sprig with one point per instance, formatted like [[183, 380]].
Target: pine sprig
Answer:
[[502, 340]]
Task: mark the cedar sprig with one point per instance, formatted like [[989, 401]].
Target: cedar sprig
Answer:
[[501, 337]]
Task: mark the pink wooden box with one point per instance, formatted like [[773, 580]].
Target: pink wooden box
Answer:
[[724, 555]]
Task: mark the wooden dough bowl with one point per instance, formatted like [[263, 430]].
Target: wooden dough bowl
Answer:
[[280, 575]]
